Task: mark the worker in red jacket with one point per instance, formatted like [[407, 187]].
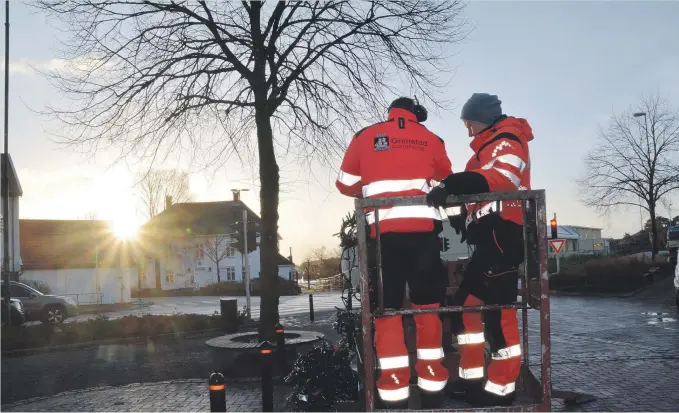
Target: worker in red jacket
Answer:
[[401, 157], [500, 163]]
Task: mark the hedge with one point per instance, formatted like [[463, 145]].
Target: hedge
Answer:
[[102, 328], [615, 275]]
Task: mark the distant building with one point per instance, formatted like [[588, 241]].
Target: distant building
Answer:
[[580, 240], [78, 258], [11, 224], [188, 244]]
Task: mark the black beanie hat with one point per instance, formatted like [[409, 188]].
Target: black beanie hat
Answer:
[[482, 108], [403, 103]]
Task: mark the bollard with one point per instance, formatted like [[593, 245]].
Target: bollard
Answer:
[[267, 379], [217, 392], [311, 307], [280, 348]]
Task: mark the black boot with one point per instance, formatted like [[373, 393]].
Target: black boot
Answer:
[[456, 389], [431, 400]]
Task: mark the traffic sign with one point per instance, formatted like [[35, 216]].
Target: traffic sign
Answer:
[[556, 245]]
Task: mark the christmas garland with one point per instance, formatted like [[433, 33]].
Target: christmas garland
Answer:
[[323, 376]]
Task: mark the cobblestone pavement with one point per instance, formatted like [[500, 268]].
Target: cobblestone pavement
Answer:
[[624, 351], [179, 395]]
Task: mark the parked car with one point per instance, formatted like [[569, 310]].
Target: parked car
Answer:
[[52, 309], [17, 311]]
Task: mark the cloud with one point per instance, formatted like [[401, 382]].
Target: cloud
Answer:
[[29, 67]]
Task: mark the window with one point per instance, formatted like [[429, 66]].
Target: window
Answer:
[[200, 252], [229, 273], [18, 291], [230, 251], [169, 276]]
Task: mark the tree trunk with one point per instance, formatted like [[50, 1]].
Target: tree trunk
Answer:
[[269, 180], [654, 233], [219, 279]]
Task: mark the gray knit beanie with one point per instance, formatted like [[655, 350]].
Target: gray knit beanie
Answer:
[[482, 108]]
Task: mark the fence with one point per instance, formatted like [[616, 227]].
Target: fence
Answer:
[[87, 298], [332, 283]]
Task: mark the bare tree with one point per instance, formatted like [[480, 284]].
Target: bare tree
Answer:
[[155, 185], [307, 269], [216, 247], [152, 78], [636, 161], [90, 215]]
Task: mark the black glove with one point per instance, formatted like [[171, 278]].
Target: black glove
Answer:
[[437, 196], [457, 222]]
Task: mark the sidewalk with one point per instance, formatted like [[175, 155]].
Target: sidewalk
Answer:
[[178, 395]]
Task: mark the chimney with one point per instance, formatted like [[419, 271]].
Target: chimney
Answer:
[[236, 195], [168, 201]]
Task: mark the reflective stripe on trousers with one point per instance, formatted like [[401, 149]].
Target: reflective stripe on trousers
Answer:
[[390, 363], [500, 389], [430, 353], [471, 338], [472, 373], [395, 395], [431, 385], [507, 352]]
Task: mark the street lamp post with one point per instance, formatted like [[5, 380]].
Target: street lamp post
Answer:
[[5, 181], [245, 254]]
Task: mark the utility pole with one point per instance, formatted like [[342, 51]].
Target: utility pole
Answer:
[[246, 267], [5, 180]]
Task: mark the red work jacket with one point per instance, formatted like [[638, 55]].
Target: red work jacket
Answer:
[[501, 155], [399, 157]]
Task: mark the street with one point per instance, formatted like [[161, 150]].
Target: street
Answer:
[[288, 305]]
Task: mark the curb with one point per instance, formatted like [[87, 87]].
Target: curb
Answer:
[[111, 341], [553, 293]]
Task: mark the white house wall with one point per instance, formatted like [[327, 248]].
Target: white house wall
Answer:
[[81, 284], [13, 227], [191, 272]]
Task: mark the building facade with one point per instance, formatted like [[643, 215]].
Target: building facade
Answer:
[[191, 245], [11, 224]]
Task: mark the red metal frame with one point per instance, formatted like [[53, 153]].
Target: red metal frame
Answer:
[[534, 290]]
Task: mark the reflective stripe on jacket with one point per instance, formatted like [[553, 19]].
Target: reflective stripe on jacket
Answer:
[[399, 157]]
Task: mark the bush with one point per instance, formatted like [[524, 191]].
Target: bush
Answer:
[[38, 285], [101, 328], [616, 274]]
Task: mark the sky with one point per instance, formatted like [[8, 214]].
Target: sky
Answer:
[[564, 66]]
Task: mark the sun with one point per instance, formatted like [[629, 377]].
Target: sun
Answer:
[[125, 228]]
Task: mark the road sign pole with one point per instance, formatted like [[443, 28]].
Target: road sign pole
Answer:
[[558, 264]]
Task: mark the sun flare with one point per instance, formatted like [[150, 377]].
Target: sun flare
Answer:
[[125, 228]]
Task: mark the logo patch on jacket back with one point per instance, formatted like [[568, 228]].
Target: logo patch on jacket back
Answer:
[[381, 142]]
